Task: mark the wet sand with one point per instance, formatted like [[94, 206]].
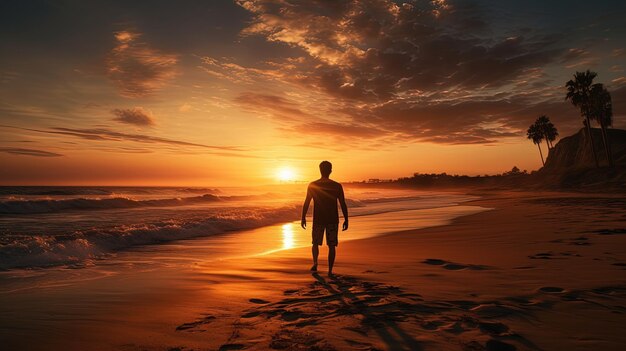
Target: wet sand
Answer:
[[538, 272]]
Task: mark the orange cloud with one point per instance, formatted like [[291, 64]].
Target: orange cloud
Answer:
[[103, 134], [277, 106], [136, 116], [137, 69], [29, 152]]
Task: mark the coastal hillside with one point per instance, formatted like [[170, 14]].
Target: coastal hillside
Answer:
[[573, 152], [571, 164]]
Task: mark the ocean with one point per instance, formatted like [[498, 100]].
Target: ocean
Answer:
[[47, 226]]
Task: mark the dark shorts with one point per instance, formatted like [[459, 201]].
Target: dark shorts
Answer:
[[332, 231]]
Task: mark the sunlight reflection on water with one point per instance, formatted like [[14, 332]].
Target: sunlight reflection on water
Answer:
[[288, 241]]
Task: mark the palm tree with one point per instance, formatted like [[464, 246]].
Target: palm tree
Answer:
[[535, 134], [602, 112], [548, 130], [579, 93], [551, 133]]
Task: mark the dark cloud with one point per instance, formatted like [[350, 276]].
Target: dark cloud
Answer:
[[377, 49], [467, 122], [102, 134], [107, 134], [619, 52], [137, 69], [135, 116], [418, 71], [29, 152], [574, 54]]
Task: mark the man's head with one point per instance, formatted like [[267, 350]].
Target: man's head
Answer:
[[326, 168]]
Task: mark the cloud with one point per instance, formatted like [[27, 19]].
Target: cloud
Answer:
[[278, 106], [107, 134], [137, 69], [135, 116], [618, 52], [29, 152], [375, 49], [102, 134], [185, 107], [338, 136], [574, 54], [420, 71], [619, 81]]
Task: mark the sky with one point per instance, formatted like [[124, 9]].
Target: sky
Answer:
[[205, 93]]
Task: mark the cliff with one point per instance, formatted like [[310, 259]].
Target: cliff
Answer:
[[574, 151], [570, 163]]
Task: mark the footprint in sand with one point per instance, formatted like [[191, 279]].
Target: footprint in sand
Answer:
[[571, 253], [495, 328], [542, 256], [259, 301], [551, 289], [376, 272], [611, 231], [191, 325], [434, 261], [452, 266], [291, 316], [497, 310], [432, 325], [251, 314], [497, 345], [580, 241], [365, 310], [550, 255]]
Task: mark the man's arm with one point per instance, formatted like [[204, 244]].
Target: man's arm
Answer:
[[344, 209], [305, 208]]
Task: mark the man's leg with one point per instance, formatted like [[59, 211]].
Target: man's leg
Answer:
[[331, 259], [316, 252]]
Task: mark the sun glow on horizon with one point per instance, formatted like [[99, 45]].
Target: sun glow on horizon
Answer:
[[138, 108], [286, 174]]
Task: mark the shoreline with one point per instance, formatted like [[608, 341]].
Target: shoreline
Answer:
[[126, 231], [465, 285]]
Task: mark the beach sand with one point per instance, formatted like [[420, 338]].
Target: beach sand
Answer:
[[540, 271]]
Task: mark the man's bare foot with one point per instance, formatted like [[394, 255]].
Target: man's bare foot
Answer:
[[331, 274], [314, 268]]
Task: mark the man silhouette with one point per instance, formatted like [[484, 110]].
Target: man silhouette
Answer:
[[325, 193]]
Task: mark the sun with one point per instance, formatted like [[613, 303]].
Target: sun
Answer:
[[286, 174]]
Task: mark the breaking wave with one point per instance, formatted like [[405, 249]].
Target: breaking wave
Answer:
[[48, 206], [18, 251]]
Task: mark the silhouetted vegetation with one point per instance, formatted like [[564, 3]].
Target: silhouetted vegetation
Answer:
[[579, 94], [602, 112], [548, 130], [542, 129], [534, 133], [595, 104], [425, 180]]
